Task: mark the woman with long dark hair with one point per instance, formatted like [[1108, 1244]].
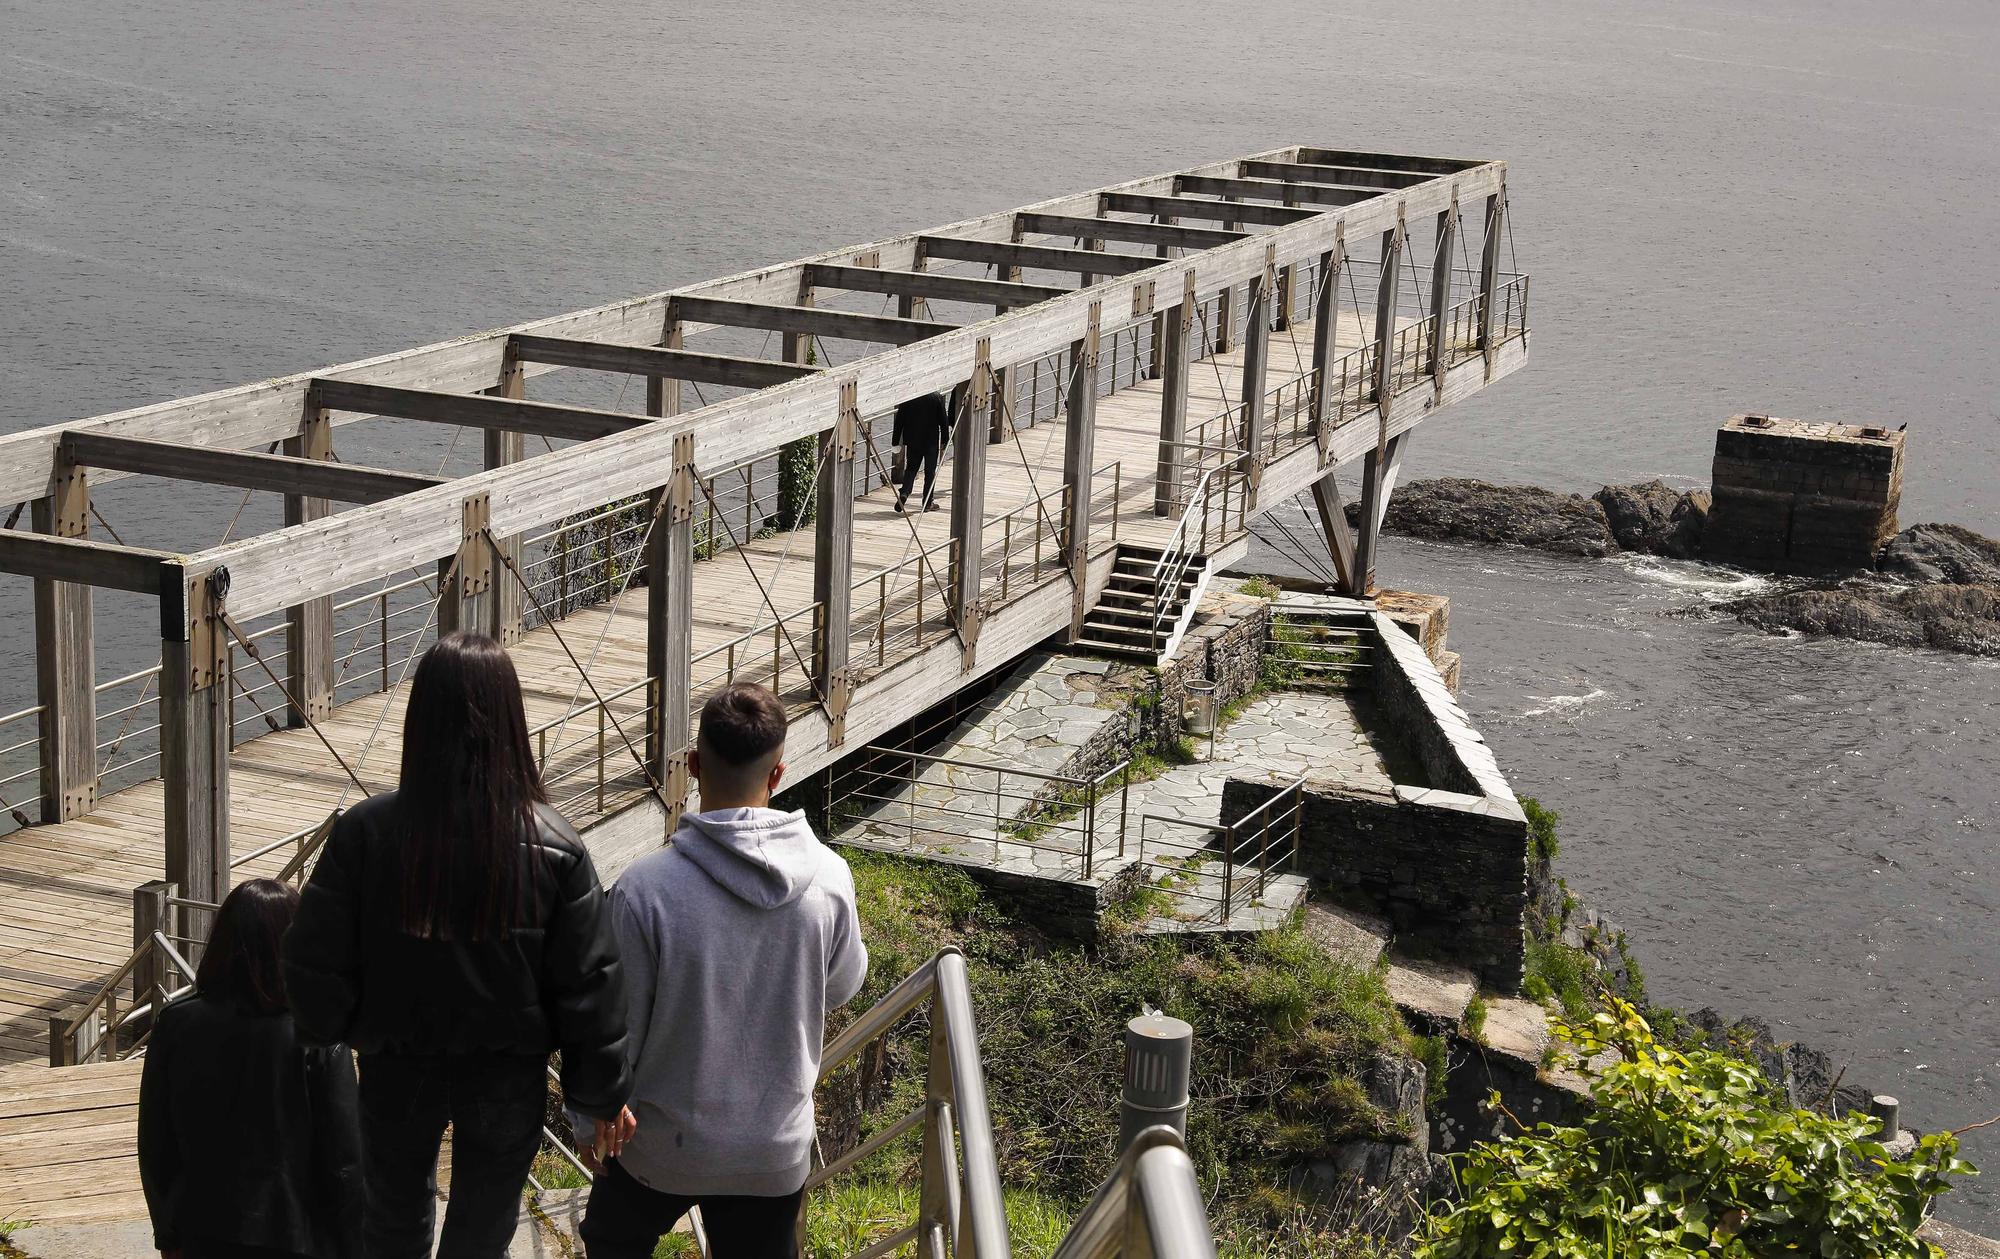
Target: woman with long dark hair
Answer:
[[248, 1141], [453, 932]]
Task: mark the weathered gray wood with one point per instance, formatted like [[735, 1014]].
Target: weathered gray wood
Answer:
[[369, 542], [663, 393], [945, 288], [1077, 225], [1174, 398], [968, 499], [1489, 270], [1447, 242], [1378, 481], [1212, 211], [1432, 166], [544, 419], [1274, 190], [1256, 357], [809, 321], [243, 469], [309, 625], [1333, 524], [1038, 257], [105, 565], [670, 627], [833, 560], [1339, 176], [1385, 316], [194, 746], [65, 677], [505, 606], [657, 363], [1326, 340], [1079, 454]]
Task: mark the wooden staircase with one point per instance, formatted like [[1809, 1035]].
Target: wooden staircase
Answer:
[[1136, 617]]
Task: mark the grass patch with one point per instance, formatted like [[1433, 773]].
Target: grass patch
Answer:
[[1561, 975], [1541, 828], [1259, 588], [1474, 1019]]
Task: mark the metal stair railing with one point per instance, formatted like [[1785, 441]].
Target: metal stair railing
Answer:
[[1183, 546], [1151, 1207], [92, 1033]]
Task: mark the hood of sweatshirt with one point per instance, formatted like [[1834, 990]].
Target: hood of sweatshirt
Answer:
[[764, 857]]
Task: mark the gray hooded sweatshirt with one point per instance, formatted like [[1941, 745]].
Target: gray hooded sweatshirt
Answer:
[[735, 943]]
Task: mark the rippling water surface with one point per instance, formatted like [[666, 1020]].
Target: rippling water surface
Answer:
[[1727, 205]]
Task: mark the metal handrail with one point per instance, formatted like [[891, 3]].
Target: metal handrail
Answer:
[[1178, 552], [1150, 1207], [63, 1032]]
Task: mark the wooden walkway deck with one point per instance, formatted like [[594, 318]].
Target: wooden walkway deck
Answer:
[[65, 888], [68, 1144]]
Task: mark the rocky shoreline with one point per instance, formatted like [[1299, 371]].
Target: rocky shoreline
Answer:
[[1934, 585]]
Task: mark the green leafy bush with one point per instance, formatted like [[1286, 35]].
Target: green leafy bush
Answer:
[[1689, 1154]]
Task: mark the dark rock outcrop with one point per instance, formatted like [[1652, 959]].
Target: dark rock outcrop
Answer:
[[1655, 518], [1961, 618], [1456, 509], [1942, 555]]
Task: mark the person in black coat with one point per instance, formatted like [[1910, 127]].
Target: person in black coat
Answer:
[[249, 1143], [453, 932], [920, 428]]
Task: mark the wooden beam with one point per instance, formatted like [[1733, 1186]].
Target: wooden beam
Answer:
[[1333, 523], [945, 288], [310, 477], [973, 427], [1441, 272], [1489, 270], [1326, 342], [194, 737], [1256, 357], [105, 565], [1037, 257], [1386, 290], [663, 393], [1174, 398], [1338, 176], [544, 419], [808, 321], [1079, 455], [833, 561], [1127, 230], [670, 629], [1432, 166], [1274, 190], [308, 625], [503, 447], [655, 363], [1206, 210], [1379, 469], [65, 684]]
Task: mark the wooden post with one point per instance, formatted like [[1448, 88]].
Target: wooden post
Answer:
[[909, 305], [1224, 307], [1006, 387], [1489, 271], [796, 347], [1256, 354], [1157, 367], [149, 914], [465, 579], [968, 499], [66, 660], [1333, 523], [1173, 398], [1378, 481], [663, 395], [1079, 449], [1447, 240], [670, 629], [1326, 342], [309, 625], [194, 733], [833, 557], [1385, 316], [502, 448]]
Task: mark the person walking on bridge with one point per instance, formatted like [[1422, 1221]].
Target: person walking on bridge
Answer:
[[453, 933], [737, 941], [922, 424]]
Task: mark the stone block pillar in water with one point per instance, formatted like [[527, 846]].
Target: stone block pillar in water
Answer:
[[1802, 497]]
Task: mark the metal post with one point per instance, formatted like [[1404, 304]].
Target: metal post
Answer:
[[1159, 1057]]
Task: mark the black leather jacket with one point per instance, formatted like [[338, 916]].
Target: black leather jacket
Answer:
[[552, 983]]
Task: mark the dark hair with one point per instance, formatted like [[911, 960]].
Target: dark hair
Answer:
[[468, 792], [240, 962], [741, 724]]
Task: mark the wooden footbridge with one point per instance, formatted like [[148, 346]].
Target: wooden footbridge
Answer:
[[1146, 369]]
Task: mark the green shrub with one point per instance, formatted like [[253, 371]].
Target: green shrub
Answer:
[[1259, 588], [1688, 1154], [1541, 829]]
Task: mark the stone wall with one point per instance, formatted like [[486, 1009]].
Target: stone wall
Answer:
[[1802, 497], [1226, 645]]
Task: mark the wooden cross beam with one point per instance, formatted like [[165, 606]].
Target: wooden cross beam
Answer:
[[808, 320], [1122, 229], [1432, 166], [83, 562], [1039, 257], [247, 470], [1205, 210], [1273, 190], [1344, 176], [654, 363], [475, 410], [943, 288]]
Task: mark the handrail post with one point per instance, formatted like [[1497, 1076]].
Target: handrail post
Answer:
[[670, 625], [933, 1194], [968, 498], [833, 561], [1178, 327], [1090, 831], [65, 659], [1078, 447]]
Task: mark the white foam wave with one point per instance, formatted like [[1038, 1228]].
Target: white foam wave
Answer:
[[1567, 705]]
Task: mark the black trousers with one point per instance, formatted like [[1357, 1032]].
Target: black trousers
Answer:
[[196, 1248], [914, 457], [494, 1105], [625, 1220]]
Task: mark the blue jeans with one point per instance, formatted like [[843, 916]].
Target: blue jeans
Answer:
[[494, 1104]]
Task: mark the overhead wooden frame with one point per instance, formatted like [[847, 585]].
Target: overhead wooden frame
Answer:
[[1340, 176], [1290, 191], [931, 284], [542, 419], [1205, 209], [809, 320], [657, 362], [243, 469], [105, 565], [1038, 257], [1126, 230]]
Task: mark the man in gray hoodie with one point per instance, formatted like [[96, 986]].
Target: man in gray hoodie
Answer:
[[735, 942]]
